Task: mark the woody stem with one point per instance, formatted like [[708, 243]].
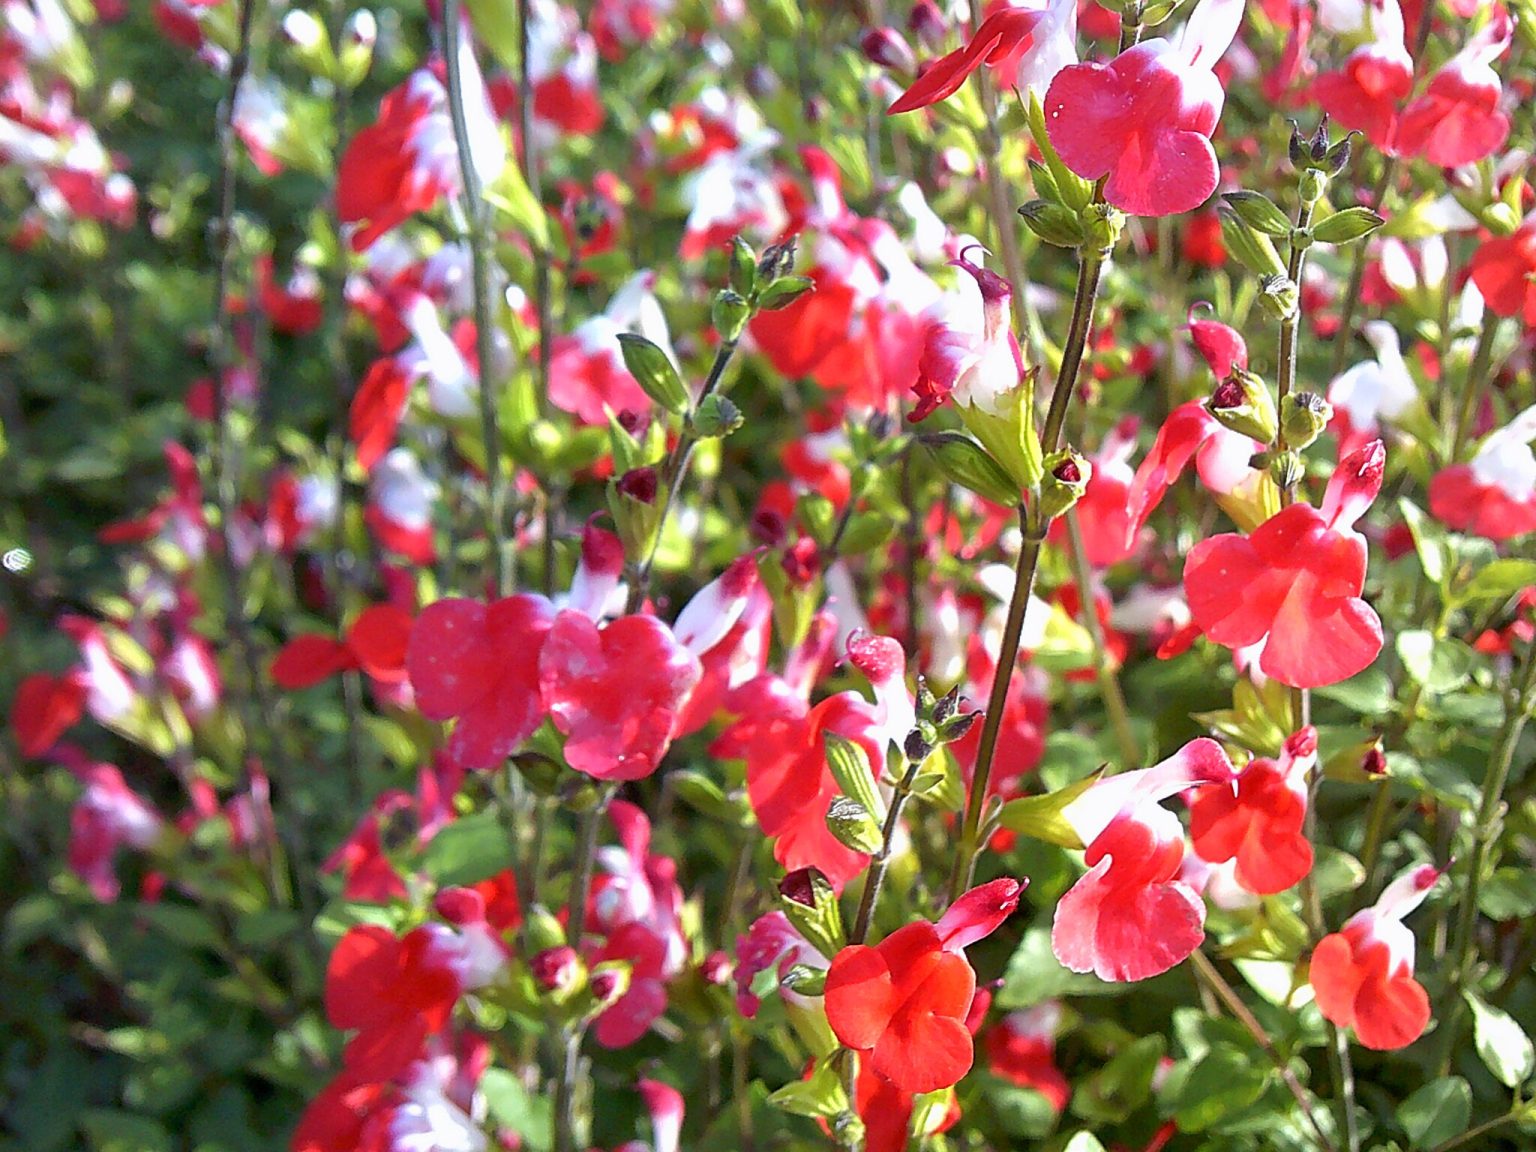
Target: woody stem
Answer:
[[478, 238], [1518, 705]]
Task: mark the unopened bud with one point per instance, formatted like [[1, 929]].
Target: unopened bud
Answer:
[[717, 969], [358, 37], [1242, 403], [303, 31], [542, 929], [730, 314], [1319, 147], [639, 484], [1298, 149], [956, 727], [558, 971], [1054, 223], [608, 982], [807, 900], [1337, 158], [1303, 416], [947, 706], [927, 23], [1065, 480], [916, 746], [743, 266], [925, 700], [1280, 296], [889, 49]]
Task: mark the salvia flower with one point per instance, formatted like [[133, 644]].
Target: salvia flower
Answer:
[[1504, 270], [903, 1003], [1363, 974], [1366, 94], [1130, 916], [1494, 495], [1144, 120], [1294, 585], [1458, 119], [1259, 820]]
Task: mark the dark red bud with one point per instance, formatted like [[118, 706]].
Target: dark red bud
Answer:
[[605, 985], [800, 886], [927, 23], [717, 969], [1068, 472], [555, 969], [888, 48], [639, 484]]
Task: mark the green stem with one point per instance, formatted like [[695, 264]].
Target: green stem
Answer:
[[1487, 1126], [478, 238], [875, 878], [675, 472], [1479, 373], [1090, 264], [1211, 976], [1108, 679], [1357, 272], [1518, 705]]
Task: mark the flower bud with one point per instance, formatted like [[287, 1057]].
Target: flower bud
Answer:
[[1303, 416], [541, 773], [955, 728], [632, 500], [1279, 295], [608, 983], [1066, 479], [358, 37], [889, 49], [717, 969], [717, 416], [916, 746], [1242, 403], [743, 274], [558, 971], [542, 929], [730, 314], [927, 23], [1337, 158], [806, 899]]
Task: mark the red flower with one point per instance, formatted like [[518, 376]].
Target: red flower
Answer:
[[1260, 821], [1294, 585], [1022, 1049], [1145, 119], [617, 692], [394, 992], [44, 708], [1504, 270], [1495, 494], [1221, 459], [375, 644], [377, 406], [1458, 119], [903, 1003], [479, 663], [1004, 35], [788, 781], [1130, 917], [1363, 975], [1364, 95]]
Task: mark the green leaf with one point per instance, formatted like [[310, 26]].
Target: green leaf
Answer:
[[1071, 189], [512, 1106], [1509, 894], [1436, 1112], [821, 1095], [1034, 974], [1041, 816], [108, 1130], [1499, 580], [654, 372], [1428, 540], [512, 197], [469, 850], [1226, 1080], [1439, 663], [1501, 1043]]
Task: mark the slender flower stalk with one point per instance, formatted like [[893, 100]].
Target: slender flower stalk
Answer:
[[674, 475], [479, 240], [874, 879], [1108, 679], [1479, 376]]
